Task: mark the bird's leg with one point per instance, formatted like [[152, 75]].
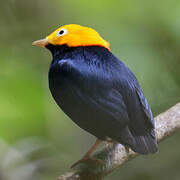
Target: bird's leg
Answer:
[[127, 149], [87, 155], [92, 149], [108, 141]]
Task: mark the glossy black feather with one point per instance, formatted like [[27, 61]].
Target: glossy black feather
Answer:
[[101, 95]]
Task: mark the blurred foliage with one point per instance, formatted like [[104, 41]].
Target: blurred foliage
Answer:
[[26, 159], [144, 34]]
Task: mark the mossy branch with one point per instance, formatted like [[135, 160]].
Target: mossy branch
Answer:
[[114, 155]]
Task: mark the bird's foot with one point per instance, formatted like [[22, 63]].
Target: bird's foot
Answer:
[[88, 160], [107, 142], [127, 149]]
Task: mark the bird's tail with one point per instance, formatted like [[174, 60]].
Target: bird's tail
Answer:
[[143, 144]]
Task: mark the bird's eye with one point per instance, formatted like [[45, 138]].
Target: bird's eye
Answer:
[[62, 32]]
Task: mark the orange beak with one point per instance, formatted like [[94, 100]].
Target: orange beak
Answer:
[[41, 42]]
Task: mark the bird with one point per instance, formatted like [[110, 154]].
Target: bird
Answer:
[[97, 90]]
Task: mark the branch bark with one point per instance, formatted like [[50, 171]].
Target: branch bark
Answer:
[[115, 155]]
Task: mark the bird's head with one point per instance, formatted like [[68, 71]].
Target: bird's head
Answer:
[[73, 35]]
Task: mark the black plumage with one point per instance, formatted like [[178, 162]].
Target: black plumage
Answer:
[[101, 95]]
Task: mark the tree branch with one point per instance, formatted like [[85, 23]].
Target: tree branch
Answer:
[[114, 155]]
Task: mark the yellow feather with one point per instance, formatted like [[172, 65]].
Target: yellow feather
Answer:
[[77, 35]]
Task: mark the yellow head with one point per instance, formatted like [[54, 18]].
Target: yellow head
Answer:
[[73, 35]]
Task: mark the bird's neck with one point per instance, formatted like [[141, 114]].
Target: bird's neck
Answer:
[[64, 51], [57, 51]]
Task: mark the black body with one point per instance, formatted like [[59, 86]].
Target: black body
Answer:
[[101, 95]]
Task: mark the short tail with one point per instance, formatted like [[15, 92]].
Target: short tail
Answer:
[[144, 144]]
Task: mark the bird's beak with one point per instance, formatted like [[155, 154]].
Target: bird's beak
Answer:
[[41, 42]]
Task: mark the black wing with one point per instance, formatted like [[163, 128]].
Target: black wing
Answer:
[[141, 124]]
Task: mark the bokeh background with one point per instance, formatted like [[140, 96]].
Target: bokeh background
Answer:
[[37, 140]]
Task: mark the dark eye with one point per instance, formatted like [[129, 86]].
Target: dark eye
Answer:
[[62, 32]]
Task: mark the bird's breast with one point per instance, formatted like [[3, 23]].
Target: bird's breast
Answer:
[[62, 84], [58, 81]]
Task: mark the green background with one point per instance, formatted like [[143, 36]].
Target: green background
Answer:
[[144, 34]]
